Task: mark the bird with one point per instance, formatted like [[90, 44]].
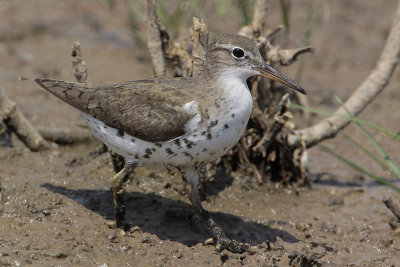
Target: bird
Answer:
[[183, 122]]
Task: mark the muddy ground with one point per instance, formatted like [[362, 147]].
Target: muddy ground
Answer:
[[55, 205]]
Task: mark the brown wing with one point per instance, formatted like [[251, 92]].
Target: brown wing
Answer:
[[150, 109]]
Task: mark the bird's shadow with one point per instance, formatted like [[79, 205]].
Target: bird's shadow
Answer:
[[170, 219]]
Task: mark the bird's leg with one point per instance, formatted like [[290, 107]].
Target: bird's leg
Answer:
[[220, 239], [118, 181]]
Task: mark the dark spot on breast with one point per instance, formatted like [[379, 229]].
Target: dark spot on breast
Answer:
[[197, 154], [178, 143], [159, 145], [120, 133], [98, 127], [212, 124], [243, 122], [105, 126], [204, 149], [136, 156], [189, 144], [209, 136], [194, 135], [233, 115], [147, 156], [148, 151], [169, 151], [130, 154], [133, 140], [226, 126], [216, 103], [203, 133], [153, 149]]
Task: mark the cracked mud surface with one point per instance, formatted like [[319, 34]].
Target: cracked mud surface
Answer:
[[55, 206]]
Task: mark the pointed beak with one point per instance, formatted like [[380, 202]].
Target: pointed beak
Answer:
[[275, 75]]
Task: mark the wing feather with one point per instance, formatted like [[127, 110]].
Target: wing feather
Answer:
[[151, 110]]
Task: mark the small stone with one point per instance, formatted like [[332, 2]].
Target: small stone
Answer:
[[134, 229], [252, 250], [110, 224], [147, 240], [300, 226], [224, 256], [209, 241], [329, 227], [335, 201], [114, 238]]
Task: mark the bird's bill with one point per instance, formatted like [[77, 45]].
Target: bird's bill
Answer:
[[275, 75]]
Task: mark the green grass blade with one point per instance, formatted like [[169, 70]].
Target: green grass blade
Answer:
[[367, 152], [284, 13], [392, 165], [359, 168], [395, 114], [354, 119]]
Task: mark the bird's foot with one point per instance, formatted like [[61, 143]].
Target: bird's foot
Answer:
[[228, 244], [121, 230], [222, 242]]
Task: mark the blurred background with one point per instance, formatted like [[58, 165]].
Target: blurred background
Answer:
[[51, 196]]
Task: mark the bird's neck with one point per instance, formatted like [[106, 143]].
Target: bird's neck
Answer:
[[233, 90]]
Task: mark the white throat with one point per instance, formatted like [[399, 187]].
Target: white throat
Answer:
[[235, 86]]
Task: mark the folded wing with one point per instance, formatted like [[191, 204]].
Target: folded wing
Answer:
[[150, 109]]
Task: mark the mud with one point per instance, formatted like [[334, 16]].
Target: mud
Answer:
[[55, 206]]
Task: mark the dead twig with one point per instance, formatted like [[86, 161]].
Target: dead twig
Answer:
[[395, 209], [364, 94], [253, 167], [65, 136], [279, 122], [259, 22], [78, 64], [157, 40], [16, 121], [199, 34], [286, 56]]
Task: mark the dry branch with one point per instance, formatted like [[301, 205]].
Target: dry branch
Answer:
[[16, 121], [395, 209], [286, 56], [365, 93], [260, 15], [65, 136], [78, 64], [156, 40], [199, 34]]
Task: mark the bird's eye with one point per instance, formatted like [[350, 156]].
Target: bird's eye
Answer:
[[237, 53]]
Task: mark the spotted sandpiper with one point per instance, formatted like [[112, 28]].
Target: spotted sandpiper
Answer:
[[181, 122]]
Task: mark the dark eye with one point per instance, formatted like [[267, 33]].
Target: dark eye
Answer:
[[237, 52]]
